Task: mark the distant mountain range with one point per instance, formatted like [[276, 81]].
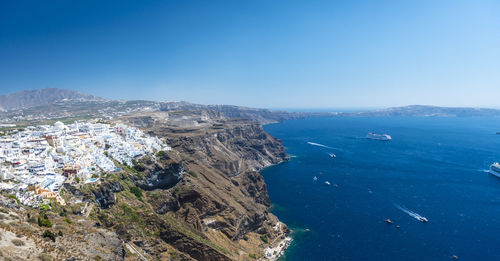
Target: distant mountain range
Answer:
[[52, 103], [34, 98], [427, 111]]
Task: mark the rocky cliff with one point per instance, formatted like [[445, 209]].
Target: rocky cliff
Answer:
[[222, 198], [203, 200]]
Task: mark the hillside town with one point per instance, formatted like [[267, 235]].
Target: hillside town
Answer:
[[35, 162]]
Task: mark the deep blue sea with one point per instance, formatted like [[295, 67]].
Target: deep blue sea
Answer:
[[435, 167]]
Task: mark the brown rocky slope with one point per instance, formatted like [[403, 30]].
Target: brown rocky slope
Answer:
[[203, 200], [222, 196]]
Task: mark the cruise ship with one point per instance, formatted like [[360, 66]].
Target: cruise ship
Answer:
[[495, 169], [375, 136]]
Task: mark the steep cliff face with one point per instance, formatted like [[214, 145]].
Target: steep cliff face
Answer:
[[221, 197], [232, 148], [160, 177]]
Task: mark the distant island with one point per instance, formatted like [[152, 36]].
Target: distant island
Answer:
[[427, 111]]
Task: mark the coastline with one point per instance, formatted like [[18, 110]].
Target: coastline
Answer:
[[279, 246], [277, 250]]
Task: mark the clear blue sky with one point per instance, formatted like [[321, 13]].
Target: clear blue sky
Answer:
[[266, 53]]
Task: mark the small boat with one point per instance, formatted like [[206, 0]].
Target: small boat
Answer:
[[332, 155], [398, 226], [423, 219], [388, 221], [375, 136], [454, 256], [327, 183], [315, 178]]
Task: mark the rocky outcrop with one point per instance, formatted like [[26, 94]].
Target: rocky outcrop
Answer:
[[160, 177], [9, 202], [165, 204], [104, 195], [220, 197]]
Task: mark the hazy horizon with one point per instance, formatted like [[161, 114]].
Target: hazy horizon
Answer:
[[291, 109], [267, 54]]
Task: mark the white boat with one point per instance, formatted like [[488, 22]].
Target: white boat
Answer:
[[423, 219], [327, 183], [375, 136], [315, 178], [495, 169], [332, 155]]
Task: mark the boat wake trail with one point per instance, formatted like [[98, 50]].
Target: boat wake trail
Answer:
[[319, 145], [411, 213]]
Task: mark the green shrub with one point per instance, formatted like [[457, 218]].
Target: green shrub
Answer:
[[161, 154], [264, 239], [77, 179], [67, 220], [245, 237], [252, 256], [44, 221], [139, 168], [130, 214], [136, 191], [49, 234], [15, 198]]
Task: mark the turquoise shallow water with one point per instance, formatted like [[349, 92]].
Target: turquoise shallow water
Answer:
[[433, 166]]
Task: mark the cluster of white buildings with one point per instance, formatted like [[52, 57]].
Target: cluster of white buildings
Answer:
[[35, 163]]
